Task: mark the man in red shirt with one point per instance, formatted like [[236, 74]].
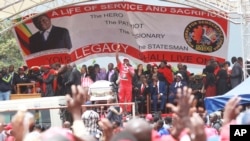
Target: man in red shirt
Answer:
[[126, 72]]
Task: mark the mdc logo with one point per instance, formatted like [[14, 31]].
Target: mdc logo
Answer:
[[204, 36]]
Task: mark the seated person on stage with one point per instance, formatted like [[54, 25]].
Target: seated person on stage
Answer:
[[158, 91], [178, 83], [141, 92]]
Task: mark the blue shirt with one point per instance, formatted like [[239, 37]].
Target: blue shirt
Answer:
[[163, 131]]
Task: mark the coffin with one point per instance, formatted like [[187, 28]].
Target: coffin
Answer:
[[100, 90]]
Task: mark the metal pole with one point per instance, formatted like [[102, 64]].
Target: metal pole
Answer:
[[63, 107], [243, 39], [243, 45]]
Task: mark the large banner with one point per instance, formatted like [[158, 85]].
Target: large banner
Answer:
[[146, 33]]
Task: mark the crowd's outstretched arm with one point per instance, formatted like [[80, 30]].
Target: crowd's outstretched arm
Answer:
[[117, 54]]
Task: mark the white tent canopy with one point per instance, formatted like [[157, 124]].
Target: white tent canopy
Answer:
[[216, 103], [12, 9]]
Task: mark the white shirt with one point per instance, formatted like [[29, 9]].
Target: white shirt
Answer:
[[178, 84], [158, 87], [110, 74], [46, 33]]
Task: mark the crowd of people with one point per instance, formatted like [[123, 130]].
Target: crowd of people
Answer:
[[157, 82], [175, 91], [186, 123]]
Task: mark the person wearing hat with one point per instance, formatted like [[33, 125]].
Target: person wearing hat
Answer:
[[178, 83], [125, 83]]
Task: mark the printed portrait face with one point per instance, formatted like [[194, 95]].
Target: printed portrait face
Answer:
[[42, 22]]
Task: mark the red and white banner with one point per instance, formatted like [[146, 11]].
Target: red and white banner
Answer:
[[146, 33]]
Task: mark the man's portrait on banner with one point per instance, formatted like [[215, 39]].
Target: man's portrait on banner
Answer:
[[49, 36]]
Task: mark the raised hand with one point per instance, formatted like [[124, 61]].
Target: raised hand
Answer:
[[117, 53], [197, 132], [178, 126], [74, 103], [20, 125], [232, 109], [184, 103], [182, 111], [107, 129], [118, 48]]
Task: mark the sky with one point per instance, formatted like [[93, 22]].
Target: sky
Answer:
[[235, 40]]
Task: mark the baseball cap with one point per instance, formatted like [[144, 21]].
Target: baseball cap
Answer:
[[178, 74]]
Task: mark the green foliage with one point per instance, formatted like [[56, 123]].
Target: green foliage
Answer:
[[9, 51]]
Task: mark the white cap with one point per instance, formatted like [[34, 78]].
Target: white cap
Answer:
[[178, 74]]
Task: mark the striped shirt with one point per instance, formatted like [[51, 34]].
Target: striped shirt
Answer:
[[90, 119], [86, 82]]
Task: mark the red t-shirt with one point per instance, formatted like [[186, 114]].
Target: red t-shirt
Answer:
[[167, 74], [124, 75]]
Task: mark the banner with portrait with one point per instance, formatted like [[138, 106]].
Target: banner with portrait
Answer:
[[146, 33]]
